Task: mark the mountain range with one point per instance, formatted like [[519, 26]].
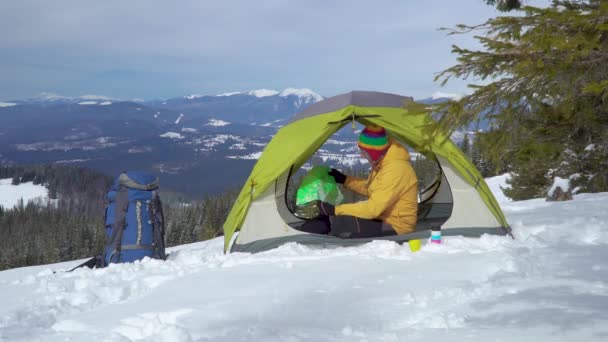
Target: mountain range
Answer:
[[199, 144]]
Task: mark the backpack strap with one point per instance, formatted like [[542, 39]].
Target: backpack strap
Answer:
[[91, 263], [139, 219], [155, 211], [161, 230], [120, 221]]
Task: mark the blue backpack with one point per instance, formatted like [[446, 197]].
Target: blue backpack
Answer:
[[135, 225]]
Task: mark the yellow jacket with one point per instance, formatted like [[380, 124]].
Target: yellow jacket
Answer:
[[392, 191]]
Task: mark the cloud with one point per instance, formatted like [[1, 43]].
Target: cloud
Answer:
[[154, 47]]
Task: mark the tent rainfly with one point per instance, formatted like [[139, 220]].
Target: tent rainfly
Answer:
[[459, 201]]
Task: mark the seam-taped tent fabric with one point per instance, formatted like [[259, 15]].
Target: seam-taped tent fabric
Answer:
[[296, 142]]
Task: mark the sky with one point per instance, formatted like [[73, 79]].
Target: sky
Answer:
[[147, 49]]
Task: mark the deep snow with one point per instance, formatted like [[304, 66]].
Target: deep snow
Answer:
[[549, 284], [10, 195]]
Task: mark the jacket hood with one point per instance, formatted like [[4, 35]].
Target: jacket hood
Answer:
[[396, 152]]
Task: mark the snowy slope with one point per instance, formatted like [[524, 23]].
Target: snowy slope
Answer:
[[10, 195], [549, 284]]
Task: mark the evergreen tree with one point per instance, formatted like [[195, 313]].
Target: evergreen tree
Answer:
[[71, 227], [505, 5], [546, 94], [465, 146], [426, 170]]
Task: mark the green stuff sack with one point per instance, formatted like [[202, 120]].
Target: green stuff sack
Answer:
[[319, 185]]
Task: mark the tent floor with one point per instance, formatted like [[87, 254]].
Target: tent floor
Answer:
[[325, 241]]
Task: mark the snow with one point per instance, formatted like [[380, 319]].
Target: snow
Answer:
[[229, 94], [72, 161], [189, 130], [7, 104], [85, 145], [263, 92], [548, 284], [305, 93], [179, 118], [438, 95], [10, 195], [45, 96], [239, 146], [172, 135], [140, 149], [272, 123], [337, 142], [217, 123], [95, 97], [590, 147], [193, 96], [342, 159], [87, 103], [250, 156], [558, 182], [211, 141], [496, 183], [106, 103], [458, 136]]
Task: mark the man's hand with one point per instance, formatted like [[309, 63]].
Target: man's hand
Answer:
[[338, 176]]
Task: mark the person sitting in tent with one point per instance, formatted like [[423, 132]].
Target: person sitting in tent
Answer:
[[391, 188]]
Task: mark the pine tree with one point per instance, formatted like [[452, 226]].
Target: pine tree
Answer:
[[426, 170], [465, 146], [505, 5], [34, 233], [546, 92]]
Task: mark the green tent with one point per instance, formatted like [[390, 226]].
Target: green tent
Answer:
[[459, 201]]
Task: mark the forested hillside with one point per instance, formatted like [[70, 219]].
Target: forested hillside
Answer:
[[71, 226]]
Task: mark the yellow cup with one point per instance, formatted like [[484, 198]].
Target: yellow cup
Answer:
[[414, 245]]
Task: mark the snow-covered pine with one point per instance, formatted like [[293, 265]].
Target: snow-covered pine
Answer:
[[560, 190]]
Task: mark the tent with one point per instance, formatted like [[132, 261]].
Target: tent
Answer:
[[459, 201]]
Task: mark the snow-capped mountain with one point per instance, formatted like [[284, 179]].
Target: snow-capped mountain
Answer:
[[306, 94], [549, 283], [198, 143], [54, 99], [260, 106]]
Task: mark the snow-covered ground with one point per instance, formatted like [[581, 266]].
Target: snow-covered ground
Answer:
[[172, 135], [217, 123], [549, 284], [10, 195]]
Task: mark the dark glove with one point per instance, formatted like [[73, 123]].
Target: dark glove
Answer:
[[327, 209], [338, 176]]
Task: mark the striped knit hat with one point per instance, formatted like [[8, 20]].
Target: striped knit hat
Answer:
[[373, 140]]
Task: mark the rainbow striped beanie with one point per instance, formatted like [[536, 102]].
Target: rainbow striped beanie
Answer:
[[374, 141]]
